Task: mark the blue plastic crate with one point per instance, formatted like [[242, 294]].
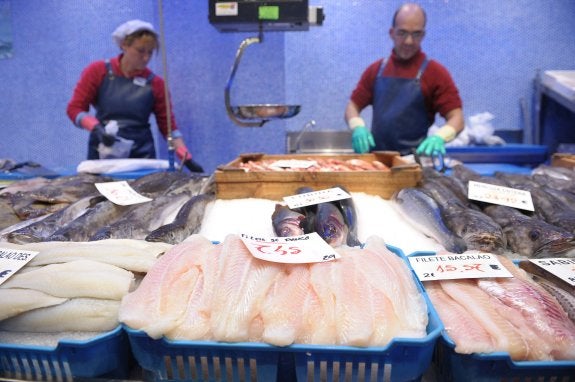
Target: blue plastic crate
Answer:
[[404, 359], [450, 366], [165, 360], [106, 355]]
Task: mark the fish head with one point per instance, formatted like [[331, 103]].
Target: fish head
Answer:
[[287, 222], [165, 234], [536, 238], [330, 225], [481, 233]]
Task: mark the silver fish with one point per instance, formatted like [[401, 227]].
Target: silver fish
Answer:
[[42, 229], [187, 222], [287, 222], [421, 211], [347, 208], [330, 224], [529, 236], [144, 218]]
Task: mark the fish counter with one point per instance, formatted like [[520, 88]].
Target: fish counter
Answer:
[[366, 316]]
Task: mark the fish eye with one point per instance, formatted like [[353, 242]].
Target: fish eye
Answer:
[[534, 235]]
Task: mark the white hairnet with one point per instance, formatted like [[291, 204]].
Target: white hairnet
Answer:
[[130, 27]]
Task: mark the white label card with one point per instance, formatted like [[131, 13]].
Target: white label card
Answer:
[[468, 265], [229, 8], [121, 193], [293, 163], [11, 260], [310, 248], [564, 268], [505, 196], [316, 197]]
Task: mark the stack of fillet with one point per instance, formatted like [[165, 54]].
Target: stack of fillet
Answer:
[[204, 291], [74, 286], [514, 315]]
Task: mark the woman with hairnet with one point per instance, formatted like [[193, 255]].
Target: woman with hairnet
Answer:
[[124, 92]]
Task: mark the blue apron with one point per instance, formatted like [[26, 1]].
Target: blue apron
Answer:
[[400, 120], [130, 102]]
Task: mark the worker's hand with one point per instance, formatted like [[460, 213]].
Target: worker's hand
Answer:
[[192, 166], [430, 145], [100, 132], [362, 140]]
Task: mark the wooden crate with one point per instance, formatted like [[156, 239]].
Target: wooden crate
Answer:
[[232, 182]]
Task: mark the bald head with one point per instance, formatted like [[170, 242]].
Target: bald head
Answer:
[[409, 10]]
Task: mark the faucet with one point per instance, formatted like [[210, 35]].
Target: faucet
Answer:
[[309, 124]]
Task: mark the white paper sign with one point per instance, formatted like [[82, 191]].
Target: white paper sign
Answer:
[[310, 248], [228, 8], [121, 193], [316, 197], [468, 265], [563, 268], [505, 196], [293, 163], [11, 260]]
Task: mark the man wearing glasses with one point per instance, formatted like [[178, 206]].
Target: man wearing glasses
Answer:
[[406, 90]]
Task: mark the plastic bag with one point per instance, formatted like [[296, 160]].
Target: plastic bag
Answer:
[[121, 147]]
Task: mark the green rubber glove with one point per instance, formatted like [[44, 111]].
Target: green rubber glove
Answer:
[[362, 140], [431, 145]]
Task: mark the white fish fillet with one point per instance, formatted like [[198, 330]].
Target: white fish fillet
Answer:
[[16, 301], [386, 272], [466, 332], [242, 285], [158, 305], [195, 324], [281, 311], [132, 255], [81, 278], [77, 314]]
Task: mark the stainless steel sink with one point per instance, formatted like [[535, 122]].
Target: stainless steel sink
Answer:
[[319, 142]]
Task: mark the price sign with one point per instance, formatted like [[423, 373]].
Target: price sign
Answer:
[[563, 268], [310, 248], [11, 260], [505, 196], [469, 265], [293, 163], [121, 193], [316, 197]]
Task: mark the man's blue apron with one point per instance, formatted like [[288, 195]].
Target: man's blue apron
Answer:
[[130, 102], [400, 120]]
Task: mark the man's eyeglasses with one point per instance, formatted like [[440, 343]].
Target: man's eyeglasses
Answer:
[[402, 34]]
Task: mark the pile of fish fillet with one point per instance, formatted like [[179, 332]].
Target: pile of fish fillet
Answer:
[[514, 315], [72, 286], [204, 291]]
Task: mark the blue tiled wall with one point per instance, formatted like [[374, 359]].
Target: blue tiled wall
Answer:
[[493, 49]]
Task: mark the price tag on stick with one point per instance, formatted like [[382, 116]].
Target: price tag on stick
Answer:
[[564, 268], [11, 260], [468, 265], [310, 248]]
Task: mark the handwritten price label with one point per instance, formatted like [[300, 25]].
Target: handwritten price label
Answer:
[[505, 196], [303, 249], [121, 193], [563, 268], [11, 260], [469, 265], [316, 197], [293, 163]]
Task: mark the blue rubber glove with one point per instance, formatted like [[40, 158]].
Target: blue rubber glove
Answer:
[[362, 140], [431, 145]]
